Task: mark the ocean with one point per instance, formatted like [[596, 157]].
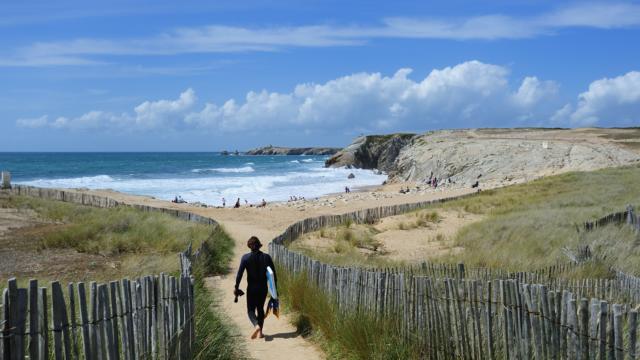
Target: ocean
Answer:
[[203, 177]]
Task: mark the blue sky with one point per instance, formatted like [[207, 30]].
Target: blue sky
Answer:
[[205, 76]]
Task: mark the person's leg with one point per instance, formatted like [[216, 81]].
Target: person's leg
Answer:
[[253, 306], [260, 299], [251, 309]]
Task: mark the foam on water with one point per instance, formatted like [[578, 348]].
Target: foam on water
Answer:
[[244, 169], [308, 179]]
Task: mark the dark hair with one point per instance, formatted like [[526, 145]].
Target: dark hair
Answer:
[[254, 243]]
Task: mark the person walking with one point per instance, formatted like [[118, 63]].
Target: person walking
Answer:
[[255, 263]]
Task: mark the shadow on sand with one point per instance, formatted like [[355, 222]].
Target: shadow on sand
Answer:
[[287, 335]]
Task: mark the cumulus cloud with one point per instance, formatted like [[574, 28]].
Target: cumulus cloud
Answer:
[[217, 38], [468, 94], [615, 100], [33, 122], [160, 114]]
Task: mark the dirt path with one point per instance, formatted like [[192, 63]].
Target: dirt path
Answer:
[[281, 340]]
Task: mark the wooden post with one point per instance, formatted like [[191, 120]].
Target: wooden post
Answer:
[[84, 320], [34, 329], [633, 337], [6, 180]]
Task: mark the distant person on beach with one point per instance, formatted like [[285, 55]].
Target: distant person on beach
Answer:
[[237, 205], [255, 263], [224, 202], [263, 204]]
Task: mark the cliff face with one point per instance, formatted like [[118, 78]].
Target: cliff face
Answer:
[[371, 152], [497, 156], [276, 150]]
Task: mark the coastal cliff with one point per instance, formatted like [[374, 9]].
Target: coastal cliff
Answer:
[[500, 156], [277, 150], [371, 152]]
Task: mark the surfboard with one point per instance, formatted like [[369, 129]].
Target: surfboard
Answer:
[[271, 283]]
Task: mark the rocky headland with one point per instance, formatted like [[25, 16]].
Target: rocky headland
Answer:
[[490, 156], [278, 150]]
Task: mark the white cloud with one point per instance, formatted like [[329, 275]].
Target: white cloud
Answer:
[[33, 122], [219, 38], [615, 100], [161, 114], [469, 94], [155, 114]]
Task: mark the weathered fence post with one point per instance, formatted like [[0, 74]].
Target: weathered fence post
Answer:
[[6, 180]]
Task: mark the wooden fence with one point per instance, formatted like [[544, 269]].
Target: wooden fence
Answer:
[[628, 216], [81, 198], [453, 312], [146, 318]]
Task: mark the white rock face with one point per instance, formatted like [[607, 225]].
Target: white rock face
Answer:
[[507, 156]]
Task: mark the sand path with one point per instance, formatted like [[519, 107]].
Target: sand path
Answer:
[[281, 341]]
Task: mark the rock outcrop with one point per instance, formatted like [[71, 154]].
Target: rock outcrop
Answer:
[[496, 156], [277, 150], [371, 152]]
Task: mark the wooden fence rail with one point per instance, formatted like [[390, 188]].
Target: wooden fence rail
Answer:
[[150, 317], [453, 312], [146, 318]]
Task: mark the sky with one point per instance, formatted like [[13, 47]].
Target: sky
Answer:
[[154, 75]]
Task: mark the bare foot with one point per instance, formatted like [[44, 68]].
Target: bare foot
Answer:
[[256, 332], [261, 335]]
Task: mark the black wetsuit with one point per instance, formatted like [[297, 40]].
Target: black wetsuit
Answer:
[[256, 263]]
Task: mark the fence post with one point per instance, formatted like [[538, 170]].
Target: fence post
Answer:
[[6, 180]]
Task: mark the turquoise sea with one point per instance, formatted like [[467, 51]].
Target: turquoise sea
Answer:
[[204, 177]]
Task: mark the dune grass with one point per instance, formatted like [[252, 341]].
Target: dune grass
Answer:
[[351, 336], [109, 231], [526, 226], [148, 243]]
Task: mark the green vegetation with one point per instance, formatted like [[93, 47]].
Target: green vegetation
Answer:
[[215, 336], [341, 336], [525, 227], [145, 243], [109, 231]]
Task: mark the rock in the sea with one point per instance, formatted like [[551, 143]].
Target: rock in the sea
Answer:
[[371, 152], [351, 176], [277, 150]]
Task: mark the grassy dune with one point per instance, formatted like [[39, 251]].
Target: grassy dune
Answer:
[[528, 225], [524, 226], [139, 242], [113, 242]]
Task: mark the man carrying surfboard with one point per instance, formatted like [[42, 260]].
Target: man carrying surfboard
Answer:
[[255, 263]]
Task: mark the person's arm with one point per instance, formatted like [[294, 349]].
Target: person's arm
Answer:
[[243, 265]]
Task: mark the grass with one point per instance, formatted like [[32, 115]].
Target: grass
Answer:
[[110, 231], [351, 336], [527, 225], [215, 336], [524, 227], [149, 243]]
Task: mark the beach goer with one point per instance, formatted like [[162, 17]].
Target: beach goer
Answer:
[[237, 205], [255, 263], [224, 202], [264, 203]]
